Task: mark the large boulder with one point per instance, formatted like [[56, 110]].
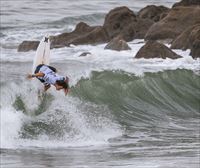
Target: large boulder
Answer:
[[186, 38], [117, 44], [141, 27], [83, 34], [28, 45], [195, 37], [153, 49], [189, 39], [153, 12], [97, 36], [195, 50], [177, 20], [187, 3], [119, 21], [62, 39]]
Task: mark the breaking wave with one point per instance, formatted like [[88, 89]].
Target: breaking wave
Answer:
[[98, 108]]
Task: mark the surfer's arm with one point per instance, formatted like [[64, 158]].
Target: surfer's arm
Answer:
[[39, 74]]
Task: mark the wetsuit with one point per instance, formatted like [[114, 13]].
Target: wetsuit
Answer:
[[50, 76]]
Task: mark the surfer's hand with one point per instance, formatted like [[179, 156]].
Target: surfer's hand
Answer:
[[39, 74], [46, 87], [29, 76], [66, 91]]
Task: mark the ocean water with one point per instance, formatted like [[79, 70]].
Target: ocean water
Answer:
[[120, 112]]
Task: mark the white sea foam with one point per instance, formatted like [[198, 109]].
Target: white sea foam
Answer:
[[71, 116], [101, 59], [10, 125]]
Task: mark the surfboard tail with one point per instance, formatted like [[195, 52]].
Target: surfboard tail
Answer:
[[42, 53]]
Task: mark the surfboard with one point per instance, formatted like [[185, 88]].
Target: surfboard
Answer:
[[42, 53]]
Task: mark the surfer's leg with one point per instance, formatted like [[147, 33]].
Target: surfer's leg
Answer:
[[38, 68]]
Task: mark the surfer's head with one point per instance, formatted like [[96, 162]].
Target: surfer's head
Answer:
[[63, 84]]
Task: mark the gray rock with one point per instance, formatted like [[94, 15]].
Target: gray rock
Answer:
[[177, 20], [28, 45], [119, 21], [152, 12], [187, 3], [85, 54], [83, 34], [153, 49], [117, 44], [184, 40], [189, 39]]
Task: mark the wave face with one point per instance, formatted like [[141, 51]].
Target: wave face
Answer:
[[147, 100]]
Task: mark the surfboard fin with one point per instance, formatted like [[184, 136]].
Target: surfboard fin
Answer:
[[46, 39]]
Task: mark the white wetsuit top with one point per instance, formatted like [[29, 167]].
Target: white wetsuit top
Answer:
[[50, 77]]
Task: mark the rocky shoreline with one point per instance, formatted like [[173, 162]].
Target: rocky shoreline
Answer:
[[179, 26]]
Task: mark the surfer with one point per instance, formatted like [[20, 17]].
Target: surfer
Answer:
[[48, 76]]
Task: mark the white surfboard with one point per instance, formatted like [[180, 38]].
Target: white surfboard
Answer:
[[42, 54]]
